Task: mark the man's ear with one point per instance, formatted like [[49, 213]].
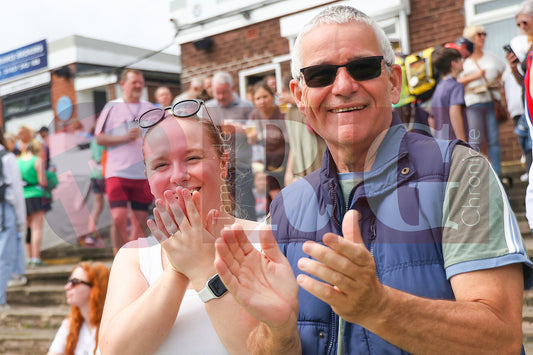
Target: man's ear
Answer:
[[297, 94], [396, 83]]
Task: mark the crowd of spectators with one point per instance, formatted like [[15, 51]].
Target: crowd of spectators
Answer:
[[259, 145]]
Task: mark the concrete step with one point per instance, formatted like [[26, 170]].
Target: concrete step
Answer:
[[33, 317], [50, 274], [25, 341], [56, 272], [75, 253], [527, 330], [528, 299], [31, 295], [45, 285]]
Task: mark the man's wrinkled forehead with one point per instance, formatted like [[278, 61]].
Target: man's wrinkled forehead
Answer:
[[352, 39]]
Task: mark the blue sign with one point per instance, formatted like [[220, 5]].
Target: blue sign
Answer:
[[23, 60], [64, 108]]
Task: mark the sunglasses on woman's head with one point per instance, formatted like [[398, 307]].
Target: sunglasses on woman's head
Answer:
[[360, 69], [182, 109], [75, 282]]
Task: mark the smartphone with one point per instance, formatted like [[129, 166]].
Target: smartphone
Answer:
[[508, 48]]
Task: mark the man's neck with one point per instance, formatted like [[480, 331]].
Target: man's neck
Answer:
[[452, 75], [358, 157], [131, 100]]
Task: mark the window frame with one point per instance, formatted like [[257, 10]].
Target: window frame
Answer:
[[26, 97]]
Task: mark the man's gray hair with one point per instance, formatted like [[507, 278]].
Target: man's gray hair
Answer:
[[526, 8], [340, 14], [222, 77]]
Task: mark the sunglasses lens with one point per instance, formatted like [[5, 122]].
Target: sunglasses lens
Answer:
[[320, 75], [365, 68], [359, 69], [74, 282], [186, 108], [151, 117]]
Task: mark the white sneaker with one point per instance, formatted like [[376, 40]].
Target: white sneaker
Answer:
[[524, 177], [4, 307], [19, 280]]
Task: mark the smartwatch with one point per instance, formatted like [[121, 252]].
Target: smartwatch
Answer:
[[214, 288]]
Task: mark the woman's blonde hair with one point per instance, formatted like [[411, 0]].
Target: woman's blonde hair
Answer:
[[33, 147], [470, 31]]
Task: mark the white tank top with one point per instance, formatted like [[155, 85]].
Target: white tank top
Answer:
[[192, 332]]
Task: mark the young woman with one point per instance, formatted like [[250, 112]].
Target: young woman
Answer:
[[33, 172], [272, 134], [153, 303], [86, 290]]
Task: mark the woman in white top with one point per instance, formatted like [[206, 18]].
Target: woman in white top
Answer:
[[152, 304], [482, 72], [86, 291]]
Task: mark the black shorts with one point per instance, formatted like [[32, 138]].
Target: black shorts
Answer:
[[98, 186], [36, 204]]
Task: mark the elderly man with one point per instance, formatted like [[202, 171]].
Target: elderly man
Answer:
[[231, 112], [431, 259]]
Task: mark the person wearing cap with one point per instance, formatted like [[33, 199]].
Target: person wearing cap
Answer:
[[463, 45]]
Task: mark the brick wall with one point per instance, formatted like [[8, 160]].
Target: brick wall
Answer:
[[63, 86], [233, 51], [435, 22]]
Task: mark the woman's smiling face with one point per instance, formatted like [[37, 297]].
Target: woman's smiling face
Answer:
[[179, 152]]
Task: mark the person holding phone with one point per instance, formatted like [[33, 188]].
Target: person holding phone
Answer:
[[521, 45]]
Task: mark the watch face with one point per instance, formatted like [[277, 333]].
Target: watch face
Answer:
[[217, 286]]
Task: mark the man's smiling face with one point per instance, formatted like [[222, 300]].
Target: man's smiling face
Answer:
[[347, 112]]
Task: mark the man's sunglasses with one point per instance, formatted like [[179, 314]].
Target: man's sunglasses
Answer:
[[182, 109], [360, 69], [75, 282]]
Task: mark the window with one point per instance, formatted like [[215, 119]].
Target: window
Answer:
[[494, 5], [391, 27], [497, 16], [251, 76], [29, 101]]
